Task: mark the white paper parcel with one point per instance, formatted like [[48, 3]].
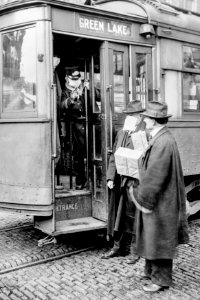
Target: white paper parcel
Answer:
[[126, 161]]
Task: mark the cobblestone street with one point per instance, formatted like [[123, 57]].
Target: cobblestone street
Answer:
[[83, 275]]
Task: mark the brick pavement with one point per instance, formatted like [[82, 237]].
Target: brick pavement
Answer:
[[8, 219], [86, 276], [20, 246]]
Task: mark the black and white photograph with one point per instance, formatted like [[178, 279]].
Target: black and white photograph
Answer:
[[99, 149]]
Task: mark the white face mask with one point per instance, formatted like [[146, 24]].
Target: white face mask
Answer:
[[56, 61], [130, 123], [73, 83]]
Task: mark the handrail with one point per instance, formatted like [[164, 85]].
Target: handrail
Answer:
[[86, 125], [54, 107], [109, 90]]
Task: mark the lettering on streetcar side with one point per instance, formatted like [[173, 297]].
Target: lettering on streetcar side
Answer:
[[65, 207], [91, 24], [104, 26]]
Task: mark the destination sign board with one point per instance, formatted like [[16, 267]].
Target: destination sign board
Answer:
[[104, 26]]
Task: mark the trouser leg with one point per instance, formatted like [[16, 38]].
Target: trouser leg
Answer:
[[118, 235], [122, 242], [79, 152], [160, 271], [79, 167], [148, 268], [125, 245]]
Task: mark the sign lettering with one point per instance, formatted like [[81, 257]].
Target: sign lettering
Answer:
[[104, 26], [68, 206], [91, 24]]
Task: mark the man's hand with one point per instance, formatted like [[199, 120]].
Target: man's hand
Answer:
[[110, 184], [67, 102], [86, 84]]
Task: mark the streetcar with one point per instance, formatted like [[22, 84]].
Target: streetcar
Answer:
[[124, 50]]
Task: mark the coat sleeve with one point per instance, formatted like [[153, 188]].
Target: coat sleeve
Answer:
[[111, 172], [64, 96], [157, 164]]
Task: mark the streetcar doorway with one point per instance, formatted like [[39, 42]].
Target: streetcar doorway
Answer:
[[78, 163], [77, 79]]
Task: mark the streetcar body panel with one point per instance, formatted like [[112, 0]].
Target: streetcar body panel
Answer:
[[186, 134], [122, 59], [26, 179], [31, 187]]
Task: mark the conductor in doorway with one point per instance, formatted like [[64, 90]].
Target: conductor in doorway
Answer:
[[73, 105], [121, 210]]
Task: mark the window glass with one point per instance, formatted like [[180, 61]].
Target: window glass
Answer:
[[97, 86], [19, 71], [118, 79], [98, 186], [141, 77], [97, 141], [191, 92], [191, 57]]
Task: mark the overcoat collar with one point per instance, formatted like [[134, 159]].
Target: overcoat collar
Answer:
[[151, 142], [160, 132]]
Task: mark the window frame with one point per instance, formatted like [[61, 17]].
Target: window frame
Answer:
[[147, 51], [190, 71], [18, 114]]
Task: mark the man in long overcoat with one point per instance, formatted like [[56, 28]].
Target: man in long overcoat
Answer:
[[160, 197], [121, 210]]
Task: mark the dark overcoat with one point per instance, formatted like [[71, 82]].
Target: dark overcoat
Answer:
[[161, 190], [121, 211], [74, 116]]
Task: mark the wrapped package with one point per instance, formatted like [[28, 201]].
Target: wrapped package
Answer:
[[126, 161]]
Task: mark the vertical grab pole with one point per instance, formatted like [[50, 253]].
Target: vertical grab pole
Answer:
[[86, 125], [54, 154], [109, 90], [70, 155]]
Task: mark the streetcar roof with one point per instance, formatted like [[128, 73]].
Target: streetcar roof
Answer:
[[150, 11], [155, 12]]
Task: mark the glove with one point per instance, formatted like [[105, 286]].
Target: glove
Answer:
[[110, 184]]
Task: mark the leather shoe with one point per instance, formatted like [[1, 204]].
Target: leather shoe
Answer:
[[153, 288], [110, 254], [132, 260]]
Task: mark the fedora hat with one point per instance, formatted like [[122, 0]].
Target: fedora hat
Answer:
[[134, 106], [156, 110]]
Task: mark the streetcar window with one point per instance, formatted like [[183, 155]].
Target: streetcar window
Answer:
[[97, 141], [19, 71], [141, 74], [191, 79], [191, 57], [118, 78], [191, 92], [97, 87]]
